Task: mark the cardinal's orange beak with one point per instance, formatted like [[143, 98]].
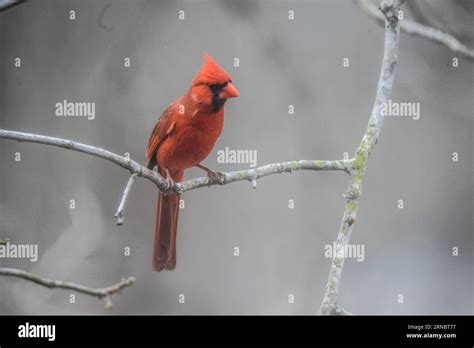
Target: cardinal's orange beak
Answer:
[[229, 91]]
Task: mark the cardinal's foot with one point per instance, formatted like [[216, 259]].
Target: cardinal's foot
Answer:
[[169, 179], [170, 182], [212, 175], [216, 176]]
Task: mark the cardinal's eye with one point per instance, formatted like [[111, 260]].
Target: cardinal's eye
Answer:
[[217, 87]]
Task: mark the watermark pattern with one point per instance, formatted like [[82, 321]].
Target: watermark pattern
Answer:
[[76, 109], [228, 155], [404, 109], [355, 251], [19, 251], [37, 331]]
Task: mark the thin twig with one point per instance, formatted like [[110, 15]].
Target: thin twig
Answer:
[[119, 215], [421, 30], [329, 305], [101, 293]]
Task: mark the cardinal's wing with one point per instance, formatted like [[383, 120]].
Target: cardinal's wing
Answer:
[[162, 129]]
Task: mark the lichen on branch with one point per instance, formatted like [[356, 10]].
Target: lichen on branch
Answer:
[[329, 305]]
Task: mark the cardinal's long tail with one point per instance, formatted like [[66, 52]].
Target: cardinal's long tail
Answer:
[[164, 247]]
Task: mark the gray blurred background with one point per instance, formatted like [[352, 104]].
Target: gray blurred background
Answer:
[[407, 251]]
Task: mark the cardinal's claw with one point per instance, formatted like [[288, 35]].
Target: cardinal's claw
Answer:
[[212, 175], [216, 176], [169, 179], [170, 182]]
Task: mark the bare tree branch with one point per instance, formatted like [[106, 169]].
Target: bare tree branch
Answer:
[[6, 4], [269, 169], [329, 305], [101, 293], [121, 161], [119, 215], [425, 13], [421, 30], [161, 183]]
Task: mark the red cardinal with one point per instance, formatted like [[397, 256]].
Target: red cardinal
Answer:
[[183, 137]]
